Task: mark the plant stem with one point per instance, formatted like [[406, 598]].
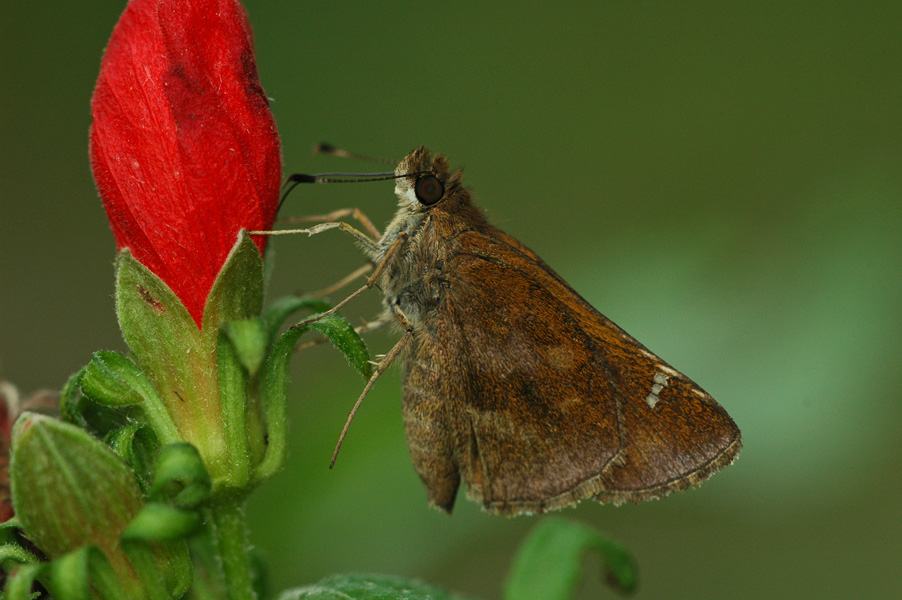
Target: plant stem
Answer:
[[230, 537]]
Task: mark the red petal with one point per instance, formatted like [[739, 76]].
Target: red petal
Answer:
[[183, 145]]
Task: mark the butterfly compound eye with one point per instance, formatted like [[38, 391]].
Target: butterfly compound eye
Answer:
[[429, 190]]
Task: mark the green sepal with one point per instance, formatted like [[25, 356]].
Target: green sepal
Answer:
[[233, 390], [155, 324], [181, 360], [237, 293], [153, 580], [18, 584], [163, 568], [69, 396], [137, 445], [100, 478], [10, 530], [68, 488], [14, 553], [367, 587], [173, 560], [159, 522], [69, 575], [180, 477], [249, 339], [550, 561], [168, 348], [276, 313], [100, 420], [274, 386], [112, 379]]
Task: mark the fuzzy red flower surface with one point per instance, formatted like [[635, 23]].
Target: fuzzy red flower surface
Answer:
[[184, 148]]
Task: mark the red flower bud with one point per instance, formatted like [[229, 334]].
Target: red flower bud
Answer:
[[184, 148]]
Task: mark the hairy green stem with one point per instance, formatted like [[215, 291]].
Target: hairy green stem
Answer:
[[230, 537]]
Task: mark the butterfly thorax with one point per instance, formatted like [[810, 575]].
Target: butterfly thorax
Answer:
[[416, 280]]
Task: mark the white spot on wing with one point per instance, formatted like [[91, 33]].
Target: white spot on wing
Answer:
[[669, 371], [660, 382]]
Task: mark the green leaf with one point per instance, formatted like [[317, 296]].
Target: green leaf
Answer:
[[274, 388], [368, 587], [342, 335], [277, 312], [548, 565]]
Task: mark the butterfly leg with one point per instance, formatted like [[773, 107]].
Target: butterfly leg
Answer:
[[354, 213], [371, 281], [386, 361], [343, 282], [369, 246]]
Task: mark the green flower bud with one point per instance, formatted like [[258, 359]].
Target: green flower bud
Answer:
[[68, 488], [71, 491]]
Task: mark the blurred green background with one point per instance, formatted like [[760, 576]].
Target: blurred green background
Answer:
[[722, 181]]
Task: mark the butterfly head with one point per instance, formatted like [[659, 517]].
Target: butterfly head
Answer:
[[427, 182]]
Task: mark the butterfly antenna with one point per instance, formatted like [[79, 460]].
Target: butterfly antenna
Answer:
[[327, 148], [298, 178]]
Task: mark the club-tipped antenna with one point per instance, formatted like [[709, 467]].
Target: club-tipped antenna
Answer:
[[327, 148], [298, 178]]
